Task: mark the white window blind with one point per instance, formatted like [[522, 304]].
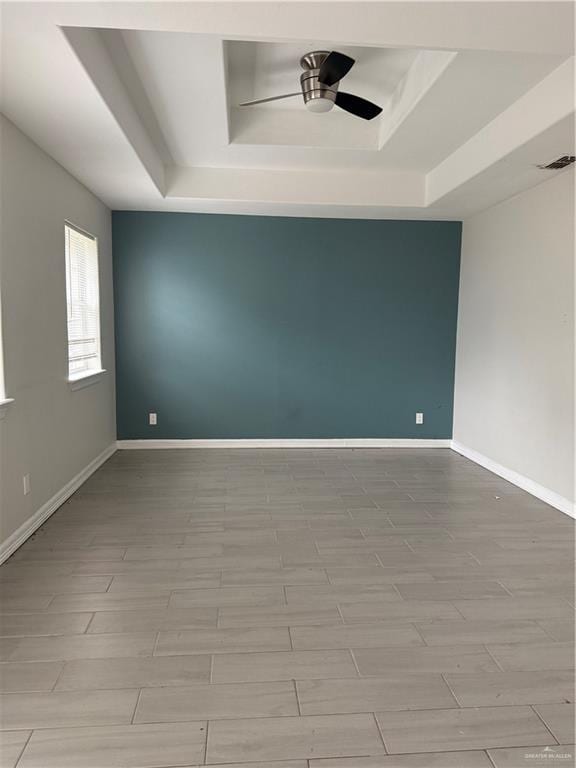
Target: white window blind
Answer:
[[83, 302]]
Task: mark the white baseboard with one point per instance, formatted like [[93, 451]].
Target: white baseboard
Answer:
[[368, 442], [542, 493], [20, 535]]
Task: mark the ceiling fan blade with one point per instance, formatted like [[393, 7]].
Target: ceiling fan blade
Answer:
[[270, 98], [358, 106], [335, 66]]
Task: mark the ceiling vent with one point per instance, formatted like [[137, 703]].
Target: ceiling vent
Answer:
[[561, 162]]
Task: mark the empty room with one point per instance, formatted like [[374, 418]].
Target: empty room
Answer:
[[287, 389]]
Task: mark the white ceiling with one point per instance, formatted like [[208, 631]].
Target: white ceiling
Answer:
[[140, 102]]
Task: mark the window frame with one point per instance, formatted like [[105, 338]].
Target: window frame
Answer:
[[5, 401], [91, 376]]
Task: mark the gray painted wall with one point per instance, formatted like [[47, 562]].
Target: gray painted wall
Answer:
[[50, 432], [515, 361]]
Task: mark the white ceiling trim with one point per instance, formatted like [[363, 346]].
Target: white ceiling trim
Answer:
[[503, 25], [392, 189], [94, 57], [548, 103]]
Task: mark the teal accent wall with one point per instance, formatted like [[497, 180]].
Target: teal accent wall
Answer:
[[265, 327]]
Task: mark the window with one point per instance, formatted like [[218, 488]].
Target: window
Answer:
[[83, 304], [4, 399]]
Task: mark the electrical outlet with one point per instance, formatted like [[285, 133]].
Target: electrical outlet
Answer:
[[419, 418], [26, 484], [152, 419]]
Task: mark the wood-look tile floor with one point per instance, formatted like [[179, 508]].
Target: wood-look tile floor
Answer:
[[291, 609]]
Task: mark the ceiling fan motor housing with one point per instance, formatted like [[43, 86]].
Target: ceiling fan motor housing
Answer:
[[317, 96]]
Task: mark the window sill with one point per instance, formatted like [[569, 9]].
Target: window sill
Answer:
[[86, 380], [4, 405]]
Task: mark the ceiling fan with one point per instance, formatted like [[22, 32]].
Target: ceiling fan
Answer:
[[319, 82]]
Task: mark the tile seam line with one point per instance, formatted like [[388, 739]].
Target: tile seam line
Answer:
[[539, 716], [368, 712], [495, 660], [380, 733], [23, 748], [447, 684]]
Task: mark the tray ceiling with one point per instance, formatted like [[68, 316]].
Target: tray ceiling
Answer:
[[141, 103]]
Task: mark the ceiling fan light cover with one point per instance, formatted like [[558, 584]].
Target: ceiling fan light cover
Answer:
[[319, 104], [317, 97]]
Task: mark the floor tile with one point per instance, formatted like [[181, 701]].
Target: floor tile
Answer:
[[133, 539], [274, 576], [533, 757], [243, 639], [292, 737], [535, 557], [537, 656], [460, 729], [410, 611], [153, 620], [453, 590], [284, 665], [228, 597], [559, 629], [128, 567], [68, 555], [22, 624], [481, 631], [230, 562], [354, 636], [328, 697], [108, 601], [269, 764], [335, 560], [76, 647], [420, 561], [179, 579], [131, 746], [504, 688], [58, 585], [173, 553], [55, 710], [278, 616], [328, 594], [153, 671], [544, 585], [216, 702], [29, 675], [10, 603], [327, 535], [374, 575], [515, 608], [232, 537], [423, 660], [13, 570], [472, 759]]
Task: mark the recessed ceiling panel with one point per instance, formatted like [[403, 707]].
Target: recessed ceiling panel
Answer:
[[430, 99], [258, 70]]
